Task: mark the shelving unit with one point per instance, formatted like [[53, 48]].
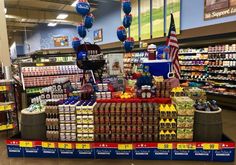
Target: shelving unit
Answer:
[[216, 72], [8, 111]]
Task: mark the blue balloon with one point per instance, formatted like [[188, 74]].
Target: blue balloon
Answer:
[[129, 44], [88, 21], [127, 21], [82, 31], [82, 8], [75, 44], [127, 7], [121, 33]]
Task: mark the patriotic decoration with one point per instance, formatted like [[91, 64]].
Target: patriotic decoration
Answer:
[[126, 5], [172, 42], [82, 7]]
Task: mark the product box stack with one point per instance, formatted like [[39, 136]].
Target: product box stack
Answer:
[[167, 123], [67, 119], [185, 119], [126, 122], [85, 120], [61, 88], [102, 91], [196, 94], [52, 119], [163, 89]]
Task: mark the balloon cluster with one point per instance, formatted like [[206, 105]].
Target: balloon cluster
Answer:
[[127, 21], [83, 8]]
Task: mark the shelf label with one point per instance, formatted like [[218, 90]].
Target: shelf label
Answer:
[[40, 64], [80, 146], [2, 108], [125, 147], [6, 127], [3, 88], [211, 146], [48, 145], [186, 146], [8, 107], [165, 146], [26, 144], [65, 146]]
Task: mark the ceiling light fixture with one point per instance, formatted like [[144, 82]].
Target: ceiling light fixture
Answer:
[[52, 24], [5, 10], [62, 16], [74, 3]]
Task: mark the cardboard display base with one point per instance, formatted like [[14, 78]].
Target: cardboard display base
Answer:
[[203, 151]]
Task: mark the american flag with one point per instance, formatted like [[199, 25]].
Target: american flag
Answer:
[[172, 42]]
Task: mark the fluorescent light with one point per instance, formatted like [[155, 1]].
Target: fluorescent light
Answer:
[[5, 10], [62, 16], [52, 24], [74, 3]]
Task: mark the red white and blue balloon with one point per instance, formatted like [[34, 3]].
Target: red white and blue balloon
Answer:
[[121, 33], [82, 7], [127, 21], [129, 44], [126, 6], [76, 43], [81, 30], [88, 20]]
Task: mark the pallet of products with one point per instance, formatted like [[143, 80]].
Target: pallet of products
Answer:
[[52, 119], [126, 122], [85, 120], [167, 123], [67, 119], [185, 117]]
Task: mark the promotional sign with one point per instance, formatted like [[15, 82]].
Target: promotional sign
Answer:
[[31, 149], [14, 149], [49, 150], [84, 150], [183, 151], [219, 8], [66, 150]]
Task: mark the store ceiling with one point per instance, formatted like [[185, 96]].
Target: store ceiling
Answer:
[[26, 14]]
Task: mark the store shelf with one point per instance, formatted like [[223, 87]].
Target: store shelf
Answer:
[[155, 61], [215, 79], [193, 53], [193, 80], [38, 64], [62, 74], [225, 86], [221, 73], [193, 60], [222, 94], [220, 66], [222, 52], [222, 59], [193, 70]]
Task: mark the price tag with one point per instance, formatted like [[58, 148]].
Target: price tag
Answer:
[[186, 146], [3, 88], [65, 146], [165, 146], [211, 146], [48, 145], [80, 146], [125, 147], [2, 107], [26, 144], [40, 64]]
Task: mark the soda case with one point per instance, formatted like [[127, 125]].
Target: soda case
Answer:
[[185, 118]]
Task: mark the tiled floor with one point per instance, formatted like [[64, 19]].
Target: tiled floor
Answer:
[[229, 122]]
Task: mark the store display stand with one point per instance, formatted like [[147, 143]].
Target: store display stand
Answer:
[[201, 151]]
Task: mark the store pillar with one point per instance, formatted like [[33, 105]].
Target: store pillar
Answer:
[[4, 46]]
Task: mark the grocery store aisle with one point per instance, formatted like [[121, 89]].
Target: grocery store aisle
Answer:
[[229, 129]]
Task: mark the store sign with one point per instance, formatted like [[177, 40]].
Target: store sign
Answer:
[[219, 8]]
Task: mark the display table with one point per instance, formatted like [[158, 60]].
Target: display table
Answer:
[[205, 151]]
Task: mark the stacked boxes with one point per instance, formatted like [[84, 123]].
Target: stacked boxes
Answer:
[[163, 89], [126, 122], [52, 120], [85, 120], [103, 92], [167, 123], [185, 120], [67, 116]]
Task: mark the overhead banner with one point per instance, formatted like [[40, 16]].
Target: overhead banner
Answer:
[[145, 17], [173, 6], [134, 29], [219, 8], [157, 18]]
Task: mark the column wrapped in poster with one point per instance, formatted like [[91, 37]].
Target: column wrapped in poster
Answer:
[[134, 28]]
